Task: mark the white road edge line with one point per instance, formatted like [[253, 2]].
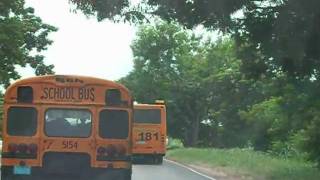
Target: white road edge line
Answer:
[[190, 169]]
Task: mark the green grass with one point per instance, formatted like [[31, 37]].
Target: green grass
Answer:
[[246, 163]]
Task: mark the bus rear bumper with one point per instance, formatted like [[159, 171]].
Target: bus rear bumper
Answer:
[[148, 158], [38, 173]]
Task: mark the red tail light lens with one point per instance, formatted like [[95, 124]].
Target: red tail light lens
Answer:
[[13, 148], [23, 151], [101, 151], [122, 150], [111, 150], [33, 148], [22, 148]]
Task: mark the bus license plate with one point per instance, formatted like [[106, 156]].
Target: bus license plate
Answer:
[[141, 142], [22, 170]]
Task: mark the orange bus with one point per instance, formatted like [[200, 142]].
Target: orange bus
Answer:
[[149, 132], [66, 127]]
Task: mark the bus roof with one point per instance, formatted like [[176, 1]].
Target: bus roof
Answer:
[[63, 81], [146, 106], [60, 78]]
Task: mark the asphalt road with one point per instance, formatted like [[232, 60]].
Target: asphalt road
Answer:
[[167, 171]]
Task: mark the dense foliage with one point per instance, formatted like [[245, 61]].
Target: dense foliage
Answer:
[[116, 10], [200, 81], [166, 59], [285, 33], [211, 102], [22, 37]]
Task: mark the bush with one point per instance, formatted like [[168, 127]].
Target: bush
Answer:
[[312, 140], [267, 122], [174, 144], [291, 148]]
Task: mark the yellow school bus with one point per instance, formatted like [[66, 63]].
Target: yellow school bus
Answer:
[[66, 127], [149, 132]]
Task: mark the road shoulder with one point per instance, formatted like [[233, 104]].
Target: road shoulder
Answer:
[[192, 169], [209, 172]]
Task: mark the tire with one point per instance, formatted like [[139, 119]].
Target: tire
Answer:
[[158, 159], [128, 176]]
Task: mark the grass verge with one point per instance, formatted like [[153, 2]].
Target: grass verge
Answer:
[[246, 164]]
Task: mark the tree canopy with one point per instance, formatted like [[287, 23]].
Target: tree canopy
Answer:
[[211, 102], [23, 36], [285, 33], [164, 60], [200, 81], [116, 10]]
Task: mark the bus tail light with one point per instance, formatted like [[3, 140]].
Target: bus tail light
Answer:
[[111, 150], [33, 149], [101, 151], [22, 148], [21, 151], [113, 153], [13, 148], [122, 151]]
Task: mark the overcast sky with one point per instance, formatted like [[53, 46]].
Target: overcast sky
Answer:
[[84, 46]]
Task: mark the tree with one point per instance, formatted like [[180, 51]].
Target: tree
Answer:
[[229, 92], [22, 38], [285, 122], [200, 81], [267, 121], [286, 33], [165, 60], [116, 10]]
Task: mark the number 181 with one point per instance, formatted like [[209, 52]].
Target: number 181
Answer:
[[148, 136]]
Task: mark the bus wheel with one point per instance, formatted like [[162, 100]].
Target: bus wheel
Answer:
[[160, 159], [157, 159], [128, 176]]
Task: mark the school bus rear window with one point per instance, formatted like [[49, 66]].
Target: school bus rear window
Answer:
[[114, 124], [148, 116], [68, 123], [22, 121]]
